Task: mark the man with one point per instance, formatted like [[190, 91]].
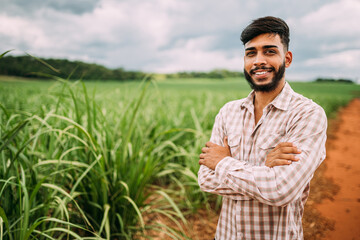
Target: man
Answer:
[[264, 149]]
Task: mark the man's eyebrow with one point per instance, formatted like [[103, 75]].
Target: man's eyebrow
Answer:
[[250, 48], [264, 47], [270, 46]]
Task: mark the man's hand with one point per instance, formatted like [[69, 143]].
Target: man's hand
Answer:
[[282, 154], [212, 154]]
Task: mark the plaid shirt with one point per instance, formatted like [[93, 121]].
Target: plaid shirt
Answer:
[[261, 202]]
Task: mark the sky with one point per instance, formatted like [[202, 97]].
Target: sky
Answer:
[[167, 36]]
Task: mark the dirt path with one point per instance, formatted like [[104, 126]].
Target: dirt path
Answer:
[[343, 167]]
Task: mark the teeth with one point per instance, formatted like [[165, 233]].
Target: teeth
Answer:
[[260, 73]]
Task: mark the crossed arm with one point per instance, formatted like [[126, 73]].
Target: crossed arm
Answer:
[[282, 154], [277, 183]]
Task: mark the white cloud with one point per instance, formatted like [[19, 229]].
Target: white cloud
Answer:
[[176, 35], [326, 41], [196, 55], [111, 26], [337, 19], [22, 32], [348, 60]]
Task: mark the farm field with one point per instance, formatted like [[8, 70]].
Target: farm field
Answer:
[[98, 160]]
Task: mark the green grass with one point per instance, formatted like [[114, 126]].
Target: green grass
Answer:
[[92, 160]]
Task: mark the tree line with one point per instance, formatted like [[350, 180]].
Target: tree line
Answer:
[[217, 73], [30, 67], [340, 80]]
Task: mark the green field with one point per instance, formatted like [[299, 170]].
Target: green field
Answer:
[[94, 160]]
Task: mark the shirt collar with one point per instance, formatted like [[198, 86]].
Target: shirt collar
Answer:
[[282, 100], [249, 101]]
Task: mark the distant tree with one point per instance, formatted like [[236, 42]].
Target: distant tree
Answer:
[[345, 80], [342, 80], [215, 74], [29, 67]]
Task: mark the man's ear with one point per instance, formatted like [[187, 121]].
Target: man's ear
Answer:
[[288, 58]]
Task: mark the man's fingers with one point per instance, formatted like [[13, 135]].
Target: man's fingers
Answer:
[[202, 156], [287, 157], [283, 154], [293, 150], [278, 162], [210, 144], [281, 159], [205, 149], [284, 144]]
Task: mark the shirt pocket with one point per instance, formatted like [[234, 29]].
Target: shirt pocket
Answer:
[[270, 141], [265, 144], [234, 144]]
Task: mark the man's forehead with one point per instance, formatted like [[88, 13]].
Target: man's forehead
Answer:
[[266, 39]]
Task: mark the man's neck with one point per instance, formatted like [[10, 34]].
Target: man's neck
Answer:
[[262, 99]]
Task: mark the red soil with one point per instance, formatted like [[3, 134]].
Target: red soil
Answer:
[[343, 167]]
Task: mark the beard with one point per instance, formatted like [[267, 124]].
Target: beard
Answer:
[[267, 87]]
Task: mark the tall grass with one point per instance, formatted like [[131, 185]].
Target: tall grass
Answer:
[[85, 168], [98, 166]]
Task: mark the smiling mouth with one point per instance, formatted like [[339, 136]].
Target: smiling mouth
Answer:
[[261, 71]]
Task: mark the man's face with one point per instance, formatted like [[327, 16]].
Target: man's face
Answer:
[[265, 61]]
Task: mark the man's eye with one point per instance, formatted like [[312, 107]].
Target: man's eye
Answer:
[[270, 52], [250, 54]]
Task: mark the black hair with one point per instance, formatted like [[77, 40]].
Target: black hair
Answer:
[[272, 25]]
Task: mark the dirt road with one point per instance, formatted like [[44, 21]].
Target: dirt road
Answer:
[[343, 167]]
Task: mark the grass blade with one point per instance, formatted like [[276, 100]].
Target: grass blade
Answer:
[[172, 203], [3, 54], [7, 138], [105, 222], [4, 218]]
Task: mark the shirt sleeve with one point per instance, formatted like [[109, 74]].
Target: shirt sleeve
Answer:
[[277, 186], [208, 179]]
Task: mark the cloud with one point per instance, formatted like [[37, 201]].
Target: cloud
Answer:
[[21, 32], [327, 40], [174, 35], [133, 34], [347, 60], [333, 20], [196, 54], [28, 8], [112, 25]]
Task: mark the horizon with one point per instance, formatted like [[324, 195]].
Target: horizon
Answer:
[[320, 78]]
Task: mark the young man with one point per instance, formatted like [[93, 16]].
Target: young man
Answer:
[[264, 149]]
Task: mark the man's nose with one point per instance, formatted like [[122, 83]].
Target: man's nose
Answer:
[[260, 60]]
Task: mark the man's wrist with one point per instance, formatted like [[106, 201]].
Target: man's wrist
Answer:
[[223, 166]]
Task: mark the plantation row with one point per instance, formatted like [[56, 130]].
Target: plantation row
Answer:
[[95, 161]]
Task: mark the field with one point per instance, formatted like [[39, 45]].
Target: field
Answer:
[[96, 160]]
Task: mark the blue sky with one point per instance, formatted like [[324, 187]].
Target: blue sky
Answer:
[[182, 35]]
